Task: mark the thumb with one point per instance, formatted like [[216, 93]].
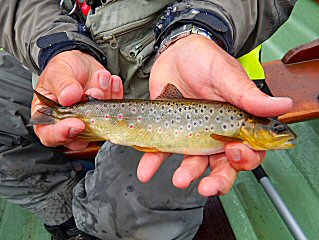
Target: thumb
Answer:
[[69, 93], [244, 94], [260, 104], [62, 80]]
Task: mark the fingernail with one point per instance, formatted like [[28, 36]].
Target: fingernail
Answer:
[[280, 98], [104, 81], [234, 154], [116, 85], [97, 95], [74, 132]]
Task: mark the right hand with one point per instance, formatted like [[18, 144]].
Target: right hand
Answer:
[[67, 77]]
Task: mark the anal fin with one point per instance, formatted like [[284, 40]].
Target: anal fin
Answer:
[[146, 149], [90, 136]]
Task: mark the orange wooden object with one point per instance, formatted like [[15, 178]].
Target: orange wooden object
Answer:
[[297, 76]]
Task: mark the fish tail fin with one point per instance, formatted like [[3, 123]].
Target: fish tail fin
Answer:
[[42, 116], [46, 101]]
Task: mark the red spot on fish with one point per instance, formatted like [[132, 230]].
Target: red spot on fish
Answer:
[[92, 121], [139, 119], [131, 126], [120, 116], [189, 135], [107, 116]]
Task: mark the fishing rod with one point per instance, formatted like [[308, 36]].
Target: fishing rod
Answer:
[[291, 223]]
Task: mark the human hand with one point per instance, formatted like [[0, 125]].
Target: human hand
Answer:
[[201, 69], [67, 77]]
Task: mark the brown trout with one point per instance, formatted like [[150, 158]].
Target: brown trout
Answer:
[[170, 123]]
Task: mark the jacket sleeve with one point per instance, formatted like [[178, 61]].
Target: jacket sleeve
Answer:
[[23, 23], [240, 25]]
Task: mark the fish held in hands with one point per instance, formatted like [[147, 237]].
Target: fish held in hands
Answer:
[[170, 123]]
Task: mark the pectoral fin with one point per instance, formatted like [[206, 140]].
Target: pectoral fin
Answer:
[[146, 149], [227, 139]]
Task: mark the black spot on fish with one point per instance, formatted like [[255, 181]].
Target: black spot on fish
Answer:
[[221, 111]]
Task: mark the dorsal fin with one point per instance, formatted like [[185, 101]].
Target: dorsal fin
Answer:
[[170, 91], [46, 101]]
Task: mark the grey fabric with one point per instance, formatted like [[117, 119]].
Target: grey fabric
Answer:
[[33, 176], [111, 203]]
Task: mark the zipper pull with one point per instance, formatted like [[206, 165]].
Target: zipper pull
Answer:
[[112, 40], [135, 50]]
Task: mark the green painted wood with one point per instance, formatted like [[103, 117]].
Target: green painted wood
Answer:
[[18, 224], [294, 173]]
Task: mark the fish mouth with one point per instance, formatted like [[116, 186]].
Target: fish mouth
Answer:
[[292, 142]]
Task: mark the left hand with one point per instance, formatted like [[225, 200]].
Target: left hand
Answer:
[[199, 68]]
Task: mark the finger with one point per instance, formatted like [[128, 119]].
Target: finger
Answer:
[[244, 94], [191, 169], [149, 164], [60, 133], [102, 80], [220, 180], [243, 157], [117, 87], [95, 93], [77, 145]]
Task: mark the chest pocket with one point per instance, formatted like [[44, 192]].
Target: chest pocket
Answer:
[[124, 32]]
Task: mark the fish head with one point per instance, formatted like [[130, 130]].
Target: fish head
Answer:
[[267, 134]]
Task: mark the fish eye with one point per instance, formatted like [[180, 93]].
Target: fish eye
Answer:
[[279, 127]]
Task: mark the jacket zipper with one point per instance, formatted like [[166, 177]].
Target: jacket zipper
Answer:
[[125, 29]]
